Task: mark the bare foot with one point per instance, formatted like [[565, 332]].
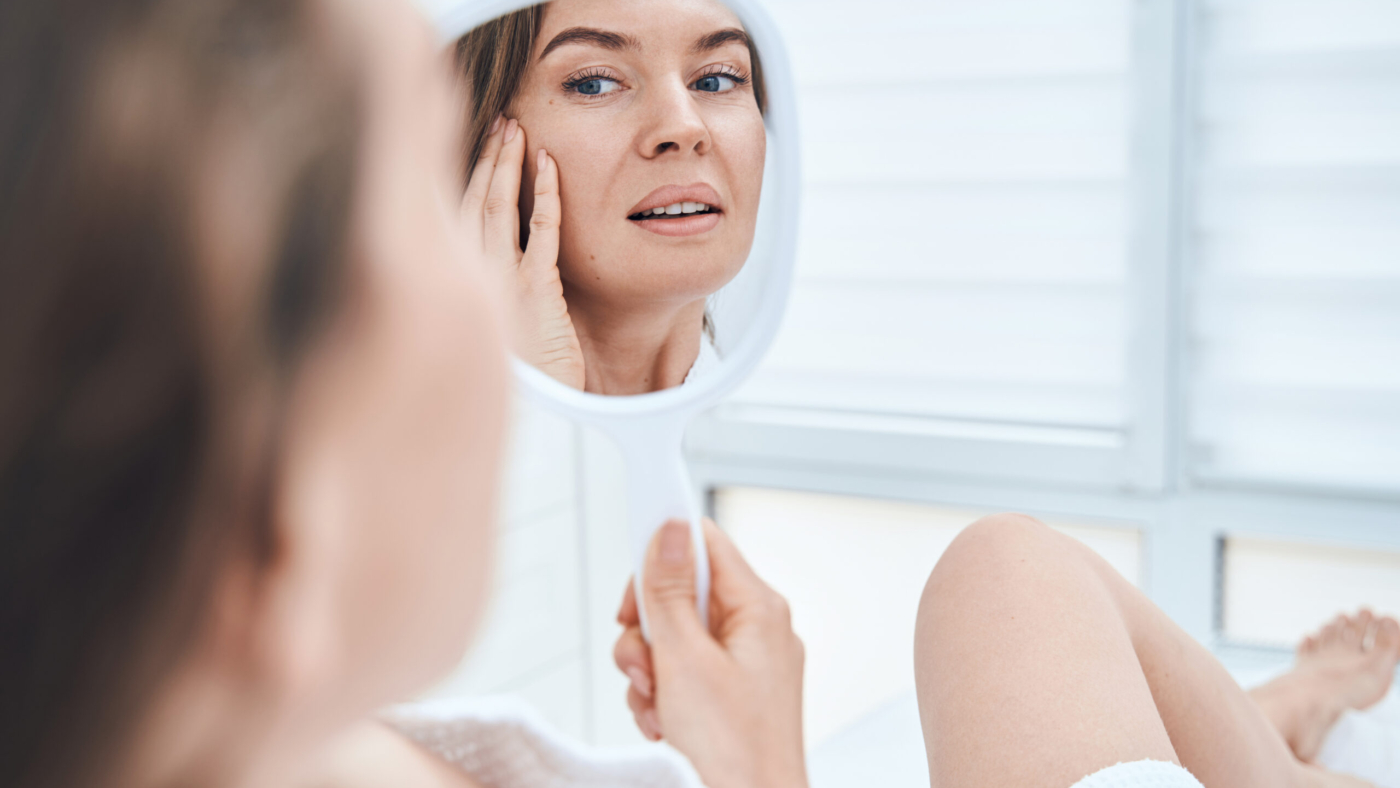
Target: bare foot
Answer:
[[1348, 665]]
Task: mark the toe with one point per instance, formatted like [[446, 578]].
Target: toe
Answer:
[[1333, 630], [1387, 637], [1352, 632]]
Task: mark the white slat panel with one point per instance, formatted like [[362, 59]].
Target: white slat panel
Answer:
[[1262, 27], [995, 130], [1281, 118], [963, 243], [1291, 232], [1003, 233], [991, 352], [899, 41], [1296, 328]]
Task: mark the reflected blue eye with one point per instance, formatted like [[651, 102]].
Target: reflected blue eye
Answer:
[[715, 83], [595, 86]]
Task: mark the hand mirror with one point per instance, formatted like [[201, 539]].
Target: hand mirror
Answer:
[[672, 137]]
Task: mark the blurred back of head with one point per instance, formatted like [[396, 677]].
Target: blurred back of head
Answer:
[[175, 179]]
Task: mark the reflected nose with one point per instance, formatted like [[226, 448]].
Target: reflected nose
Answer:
[[674, 125]]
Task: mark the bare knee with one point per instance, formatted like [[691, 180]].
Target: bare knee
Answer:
[[1008, 563], [995, 536], [996, 541], [982, 563], [1016, 618]]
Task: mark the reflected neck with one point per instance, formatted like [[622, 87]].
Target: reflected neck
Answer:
[[636, 350]]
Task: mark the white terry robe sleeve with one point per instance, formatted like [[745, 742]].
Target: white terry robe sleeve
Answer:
[[503, 743], [1140, 774]]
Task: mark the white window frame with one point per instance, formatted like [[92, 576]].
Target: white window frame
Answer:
[[1136, 476]]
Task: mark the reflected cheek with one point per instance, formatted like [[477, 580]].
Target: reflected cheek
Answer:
[[589, 245], [744, 150]]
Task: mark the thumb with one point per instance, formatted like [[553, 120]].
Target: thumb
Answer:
[[668, 585]]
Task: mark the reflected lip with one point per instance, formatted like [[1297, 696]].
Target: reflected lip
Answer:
[[666, 195], [680, 226]]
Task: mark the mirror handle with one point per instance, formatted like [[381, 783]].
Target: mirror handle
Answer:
[[659, 489]]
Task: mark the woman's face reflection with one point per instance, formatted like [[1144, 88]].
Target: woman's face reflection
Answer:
[[646, 105]]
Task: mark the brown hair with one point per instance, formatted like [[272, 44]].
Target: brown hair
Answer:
[[493, 59], [110, 531]]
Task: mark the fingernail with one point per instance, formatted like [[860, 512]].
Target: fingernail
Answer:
[[510, 129], [651, 725], [640, 682], [675, 543], [495, 124], [539, 160]]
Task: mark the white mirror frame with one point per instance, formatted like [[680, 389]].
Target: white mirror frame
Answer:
[[649, 428]]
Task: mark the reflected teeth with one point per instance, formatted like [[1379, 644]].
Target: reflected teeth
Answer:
[[677, 208]]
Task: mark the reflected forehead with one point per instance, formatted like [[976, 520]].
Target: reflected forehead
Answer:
[[631, 23]]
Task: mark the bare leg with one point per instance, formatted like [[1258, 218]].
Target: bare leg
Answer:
[[1348, 665], [1038, 665]]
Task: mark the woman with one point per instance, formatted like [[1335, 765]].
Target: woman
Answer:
[[652, 110], [254, 382], [250, 432]]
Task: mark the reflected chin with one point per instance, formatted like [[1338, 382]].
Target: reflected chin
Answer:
[[681, 226]]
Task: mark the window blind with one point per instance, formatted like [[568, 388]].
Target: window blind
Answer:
[[1295, 329], [962, 252]]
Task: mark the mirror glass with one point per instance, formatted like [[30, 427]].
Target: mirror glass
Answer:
[[654, 118]]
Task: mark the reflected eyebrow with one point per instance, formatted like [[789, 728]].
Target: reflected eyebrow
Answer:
[[588, 35], [719, 38]]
